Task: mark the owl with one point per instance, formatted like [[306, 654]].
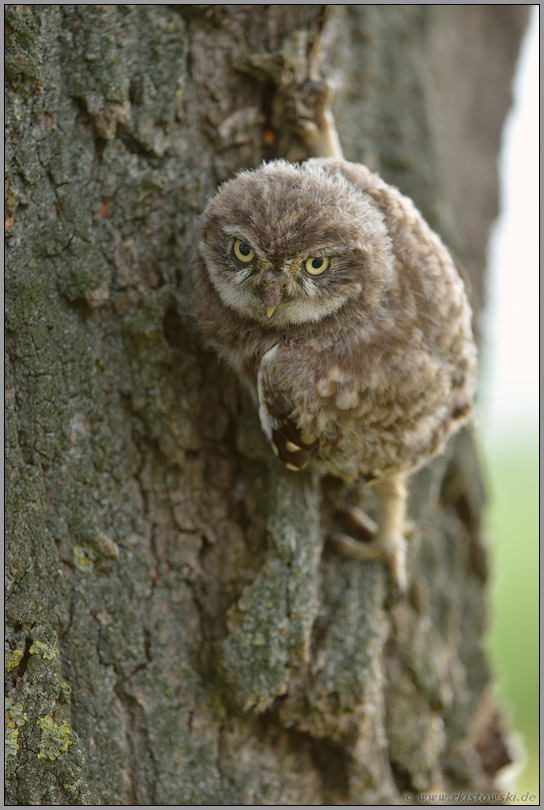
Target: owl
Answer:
[[333, 300]]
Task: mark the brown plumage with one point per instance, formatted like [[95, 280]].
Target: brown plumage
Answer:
[[331, 297]]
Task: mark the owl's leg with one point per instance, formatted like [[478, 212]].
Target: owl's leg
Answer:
[[314, 119], [392, 495], [388, 543]]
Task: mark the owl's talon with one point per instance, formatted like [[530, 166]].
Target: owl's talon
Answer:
[[359, 521], [357, 549], [313, 119], [306, 128], [391, 551], [396, 561]]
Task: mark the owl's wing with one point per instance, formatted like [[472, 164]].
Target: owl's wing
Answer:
[[461, 269], [293, 448]]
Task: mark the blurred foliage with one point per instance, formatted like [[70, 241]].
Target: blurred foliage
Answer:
[[514, 639]]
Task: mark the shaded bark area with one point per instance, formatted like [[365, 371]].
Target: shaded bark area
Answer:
[[179, 629]]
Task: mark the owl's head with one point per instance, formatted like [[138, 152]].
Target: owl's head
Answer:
[[289, 244]]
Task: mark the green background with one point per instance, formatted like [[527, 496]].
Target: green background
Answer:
[[512, 520]]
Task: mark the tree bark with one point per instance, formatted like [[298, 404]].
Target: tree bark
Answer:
[[179, 629]]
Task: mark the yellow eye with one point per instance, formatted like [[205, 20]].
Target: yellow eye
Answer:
[[317, 265], [242, 251]]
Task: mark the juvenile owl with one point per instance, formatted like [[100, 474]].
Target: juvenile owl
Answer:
[[326, 291]]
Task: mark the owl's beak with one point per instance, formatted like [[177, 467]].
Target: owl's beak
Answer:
[[272, 293]]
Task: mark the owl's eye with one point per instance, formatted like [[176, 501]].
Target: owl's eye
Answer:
[[242, 251], [316, 265]]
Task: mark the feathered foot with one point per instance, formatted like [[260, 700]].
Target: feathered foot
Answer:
[[313, 119], [388, 543]]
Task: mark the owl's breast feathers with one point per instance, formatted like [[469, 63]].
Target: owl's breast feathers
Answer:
[[365, 408]]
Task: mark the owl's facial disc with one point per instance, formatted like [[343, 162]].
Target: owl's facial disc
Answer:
[[271, 283], [322, 231], [287, 286], [292, 289], [257, 276]]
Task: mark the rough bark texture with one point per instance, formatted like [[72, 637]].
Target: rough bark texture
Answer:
[[179, 630]]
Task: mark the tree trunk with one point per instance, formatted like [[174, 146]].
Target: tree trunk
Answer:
[[179, 629]]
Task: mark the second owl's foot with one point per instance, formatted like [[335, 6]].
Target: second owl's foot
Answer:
[[313, 119]]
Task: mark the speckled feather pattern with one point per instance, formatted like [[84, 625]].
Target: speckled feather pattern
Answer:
[[375, 357]]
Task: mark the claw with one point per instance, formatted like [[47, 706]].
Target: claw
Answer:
[[388, 543], [314, 119], [391, 551]]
